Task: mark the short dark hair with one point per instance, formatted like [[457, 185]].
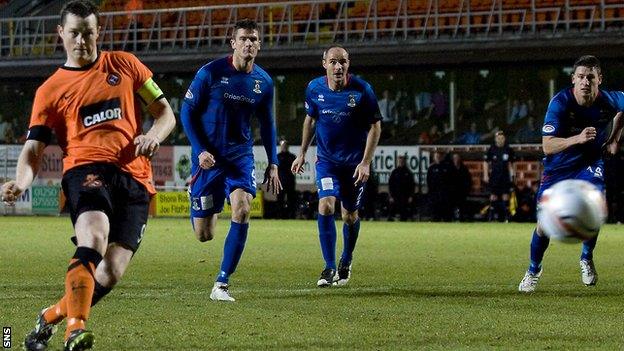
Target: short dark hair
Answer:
[[333, 46], [81, 8], [245, 24], [588, 61]]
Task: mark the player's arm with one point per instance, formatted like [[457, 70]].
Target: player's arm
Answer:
[[195, 99], [553, 145], [362, 171], [309, 125], [26, 170], [147, 144], [486, 171], [510, 165], [486, 167], [268, 133], [370, 104], [551, 142], [613, 141]]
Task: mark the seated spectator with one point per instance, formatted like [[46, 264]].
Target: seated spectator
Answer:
[[492, 129], [422, 101], [5, 128], [529, 133], [9, 136], [518, 111], [430, 137], [440, 105], [470, 137], [387, 107], [410, 119]]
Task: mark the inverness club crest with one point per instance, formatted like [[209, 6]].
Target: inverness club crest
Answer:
[[256, 88], [351, 100]]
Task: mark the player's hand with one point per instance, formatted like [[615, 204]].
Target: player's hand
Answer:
[[146, 145], [297, 165], [486, 178], [588, 134], [206, 160], [271, 179], [362, 172], [10, 192]]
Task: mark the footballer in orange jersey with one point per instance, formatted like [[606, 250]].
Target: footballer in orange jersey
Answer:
[[92, 104]]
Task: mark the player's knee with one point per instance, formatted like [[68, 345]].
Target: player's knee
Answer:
[[204, 234], [93, 238], [240, 213], [113, 274], [326, 209], [349, 218]]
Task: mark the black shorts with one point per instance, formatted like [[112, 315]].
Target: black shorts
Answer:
[[500, 187], [104, 187]]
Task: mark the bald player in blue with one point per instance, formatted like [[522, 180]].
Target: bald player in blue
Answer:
[[343, 114]]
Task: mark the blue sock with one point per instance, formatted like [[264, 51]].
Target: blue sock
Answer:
[[588, 249], [539, 244], [232, 250], [350, 235], [327, 236]]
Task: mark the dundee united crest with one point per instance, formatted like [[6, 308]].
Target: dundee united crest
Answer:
[[113, 79]]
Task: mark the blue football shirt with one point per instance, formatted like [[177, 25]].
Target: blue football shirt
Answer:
[[566, 118], [343, 118], [218, 107]]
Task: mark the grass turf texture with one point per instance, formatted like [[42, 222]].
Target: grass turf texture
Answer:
[[414, 285]]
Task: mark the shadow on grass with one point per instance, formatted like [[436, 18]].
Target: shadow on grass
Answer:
[[443, 292]]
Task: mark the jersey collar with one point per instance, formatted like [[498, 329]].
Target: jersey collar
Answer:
[[343, 88], [83, 68], [230, 60]]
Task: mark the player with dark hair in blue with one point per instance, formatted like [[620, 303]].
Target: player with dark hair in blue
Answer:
[[216, 115], [344, 111], [573, 135]]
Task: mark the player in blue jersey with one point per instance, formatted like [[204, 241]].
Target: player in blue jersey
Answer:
[[344, 111], [216, 114], [573, 135]]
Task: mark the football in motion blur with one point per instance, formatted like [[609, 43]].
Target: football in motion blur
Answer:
[[571, 211]]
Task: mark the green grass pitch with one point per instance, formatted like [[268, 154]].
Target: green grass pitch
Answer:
[[414, 286]]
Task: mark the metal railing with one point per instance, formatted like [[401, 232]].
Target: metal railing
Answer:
[[294, 24]]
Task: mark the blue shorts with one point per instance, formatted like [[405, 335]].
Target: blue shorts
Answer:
[[338, 181], [210, 187], [593, 174]]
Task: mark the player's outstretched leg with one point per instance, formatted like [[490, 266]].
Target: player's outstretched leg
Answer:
[[350, 235], [327, 237], [39, 337], [232, 252], [539, 244], [79, 286], [589, 276]]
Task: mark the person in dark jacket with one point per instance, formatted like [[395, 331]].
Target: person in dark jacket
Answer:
[[499, 177], [438, 180], [461, 183], [401, 185], [287, 198]]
